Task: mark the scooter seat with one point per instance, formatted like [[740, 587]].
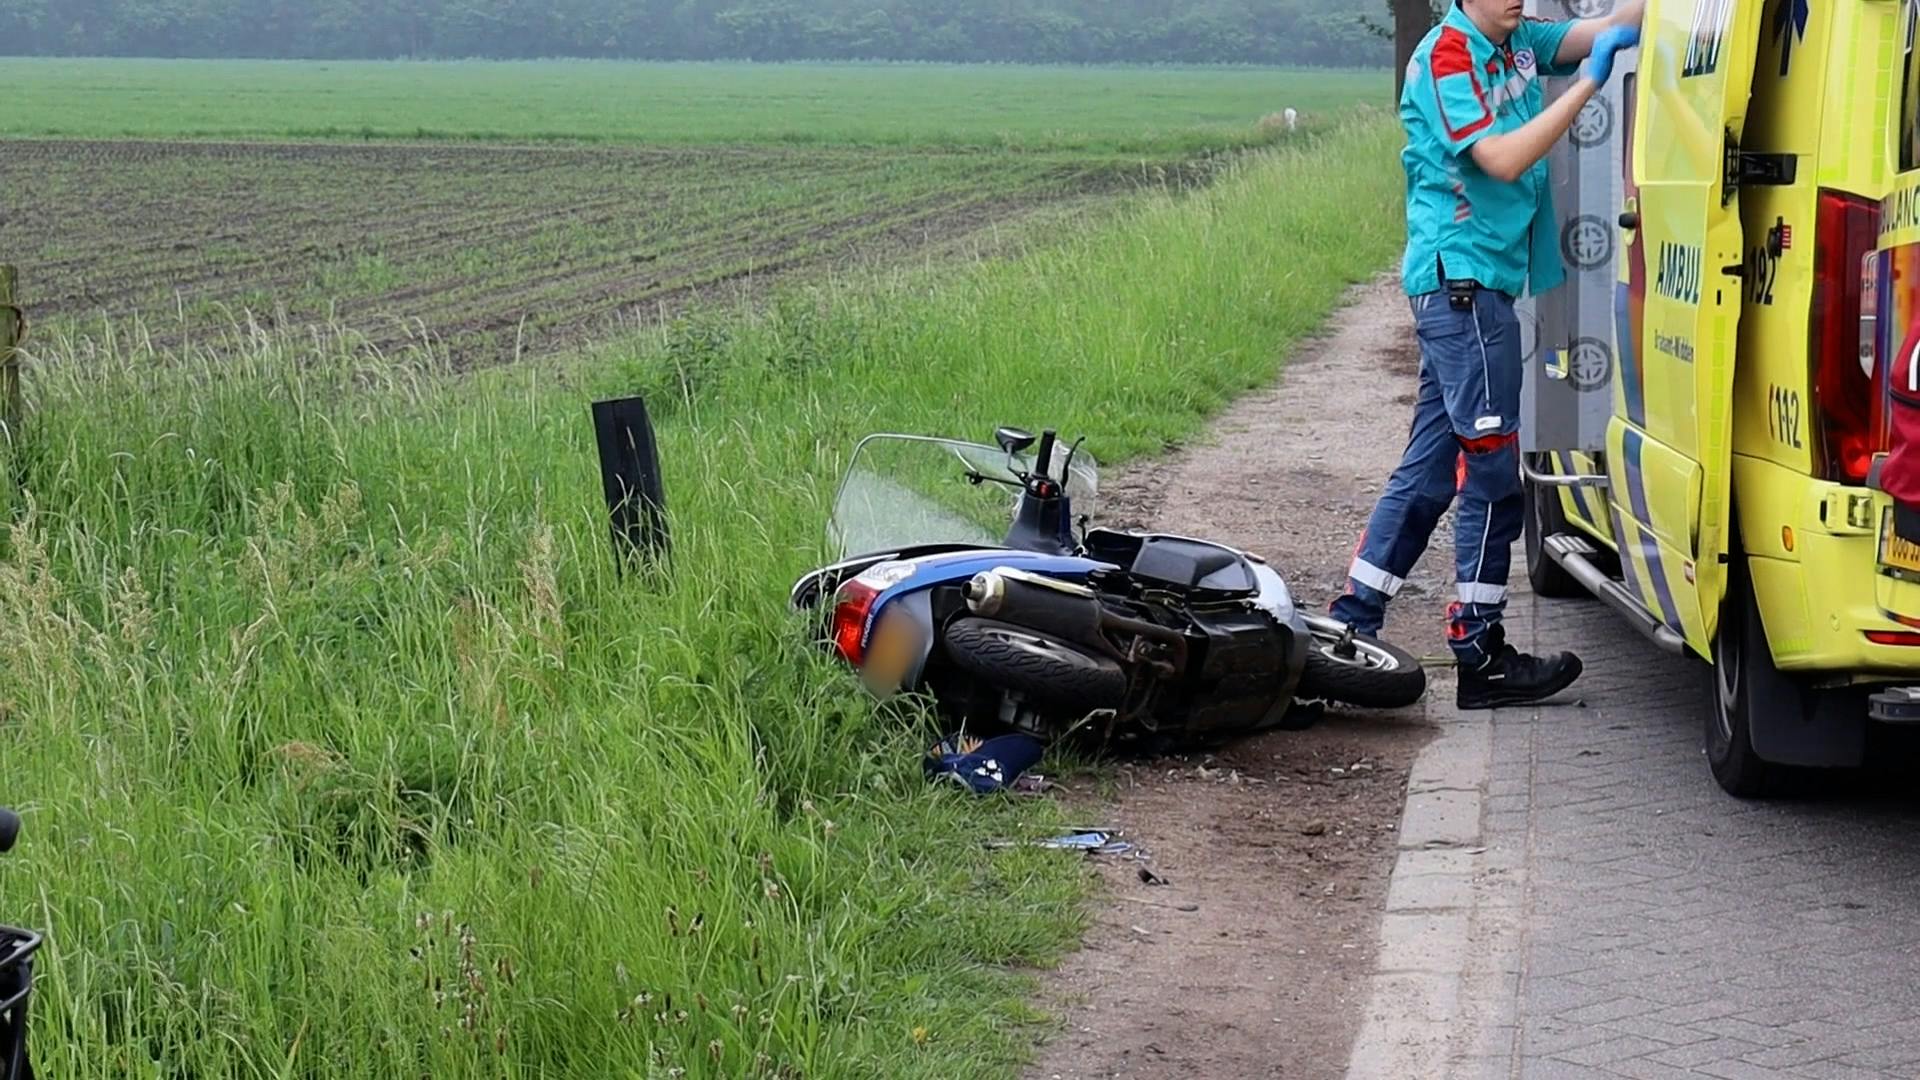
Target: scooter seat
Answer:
[[1177, 562]]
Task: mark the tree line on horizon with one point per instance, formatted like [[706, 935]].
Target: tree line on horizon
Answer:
[[1322, 33]]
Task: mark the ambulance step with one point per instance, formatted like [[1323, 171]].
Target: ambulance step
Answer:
[[1900, 705], [1563, 544], [1575, 555]]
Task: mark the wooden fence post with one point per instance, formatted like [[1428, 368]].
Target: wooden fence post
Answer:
[[13, 326]]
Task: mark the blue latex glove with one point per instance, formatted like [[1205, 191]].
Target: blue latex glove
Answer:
[[1613, 39]]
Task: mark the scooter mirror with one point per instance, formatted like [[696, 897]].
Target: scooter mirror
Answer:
[[1012, 439]]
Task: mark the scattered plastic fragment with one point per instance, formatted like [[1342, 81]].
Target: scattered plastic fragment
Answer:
[[1032, 784], [1091, 841]]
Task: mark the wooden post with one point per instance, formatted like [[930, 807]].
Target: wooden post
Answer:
[[13, 327]]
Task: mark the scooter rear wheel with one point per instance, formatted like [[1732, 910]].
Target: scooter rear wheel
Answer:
[[1366, 671], [1041, 669]]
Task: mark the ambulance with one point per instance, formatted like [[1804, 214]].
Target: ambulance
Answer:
[[1750, 497]]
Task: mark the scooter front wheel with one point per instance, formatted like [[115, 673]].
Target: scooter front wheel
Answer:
[[1355, 669]]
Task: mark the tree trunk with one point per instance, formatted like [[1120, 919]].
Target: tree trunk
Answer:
[[1411, 21]]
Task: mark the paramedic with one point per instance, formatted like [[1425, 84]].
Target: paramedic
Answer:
[[1480, 232]]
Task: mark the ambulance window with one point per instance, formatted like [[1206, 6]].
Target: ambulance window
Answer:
[[1910, 99]]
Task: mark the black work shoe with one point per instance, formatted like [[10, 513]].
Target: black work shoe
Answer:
[[1512, 677]]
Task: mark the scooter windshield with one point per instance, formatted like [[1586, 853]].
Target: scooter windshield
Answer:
[[907, 490]]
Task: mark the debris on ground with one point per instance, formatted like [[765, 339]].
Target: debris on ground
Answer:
[[1091, 841], [1033, 784]]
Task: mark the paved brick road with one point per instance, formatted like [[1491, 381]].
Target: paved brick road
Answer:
[[1668, 930]]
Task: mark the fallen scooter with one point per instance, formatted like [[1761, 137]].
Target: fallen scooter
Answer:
[[17, 948], [961, 576]]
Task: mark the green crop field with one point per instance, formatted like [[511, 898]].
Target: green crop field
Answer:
[[495, 250], [344, 749], [491, 251], [1149, 111]]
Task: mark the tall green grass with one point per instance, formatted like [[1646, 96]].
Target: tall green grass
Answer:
[[344, 750], [1163, 111]]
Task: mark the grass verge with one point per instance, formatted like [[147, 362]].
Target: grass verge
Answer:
[[344, 750]]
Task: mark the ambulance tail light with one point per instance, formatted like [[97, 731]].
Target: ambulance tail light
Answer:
[[1846, 384]]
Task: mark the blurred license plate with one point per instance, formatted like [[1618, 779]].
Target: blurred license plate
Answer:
[[891, 653], [1896, 551]]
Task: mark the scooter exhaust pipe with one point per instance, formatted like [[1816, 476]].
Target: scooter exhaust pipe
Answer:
[[1061, 608], [993, 593], [1064, 609]]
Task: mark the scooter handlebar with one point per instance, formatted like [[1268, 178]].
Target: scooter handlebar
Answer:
[[9, 829], [1042, 458]]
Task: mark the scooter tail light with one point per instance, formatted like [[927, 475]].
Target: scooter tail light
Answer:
[[852, 605]]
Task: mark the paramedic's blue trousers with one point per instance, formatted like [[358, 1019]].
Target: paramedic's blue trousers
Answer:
[[1464, 444]]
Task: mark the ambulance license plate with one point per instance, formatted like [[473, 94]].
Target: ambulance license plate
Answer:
[[1896, 551]]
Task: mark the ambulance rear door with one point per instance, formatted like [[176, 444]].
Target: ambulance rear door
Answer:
[[1678, 303]]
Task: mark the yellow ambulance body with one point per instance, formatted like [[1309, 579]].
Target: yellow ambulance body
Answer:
[[1772, 201]]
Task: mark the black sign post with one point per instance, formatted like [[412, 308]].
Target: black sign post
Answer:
[[630, 475], [13, 329]]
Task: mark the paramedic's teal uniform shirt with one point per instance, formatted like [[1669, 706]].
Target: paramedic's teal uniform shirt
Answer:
[[1460, 88]]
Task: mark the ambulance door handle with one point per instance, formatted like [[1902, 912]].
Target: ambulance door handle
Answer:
[[1630, 220]]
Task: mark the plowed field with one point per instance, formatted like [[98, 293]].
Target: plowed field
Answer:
[[494, 251]]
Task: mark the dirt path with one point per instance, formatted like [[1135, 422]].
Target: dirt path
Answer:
[[1252, 960]]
